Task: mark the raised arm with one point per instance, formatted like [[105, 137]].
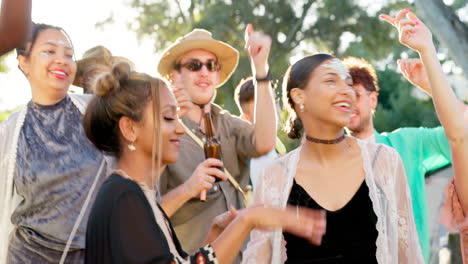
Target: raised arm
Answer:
[[415, 72], [258, 47], [15, 22], [415, 35]]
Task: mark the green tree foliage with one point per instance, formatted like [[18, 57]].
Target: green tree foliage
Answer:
[[290, 23], [296, 27], [398, 108], [4, 115], [3, 67]]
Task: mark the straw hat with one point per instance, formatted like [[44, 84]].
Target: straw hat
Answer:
[[200, 39], [97, 55]]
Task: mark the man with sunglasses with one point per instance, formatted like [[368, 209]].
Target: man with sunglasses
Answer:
[[199, 64], [421, 149]]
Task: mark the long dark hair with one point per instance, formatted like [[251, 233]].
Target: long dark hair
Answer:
[[297, 76]]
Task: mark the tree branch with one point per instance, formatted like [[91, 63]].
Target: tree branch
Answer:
[[298, 25], [181, 12], [448, 28]]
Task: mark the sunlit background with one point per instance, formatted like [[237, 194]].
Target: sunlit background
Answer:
[[80, 20], [342, 27]]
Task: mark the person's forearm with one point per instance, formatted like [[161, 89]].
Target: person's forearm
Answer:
[[451, 112], [173, 200], [450, 109], [464, 107], [265, 116], [228, 244], [214, 232], [465, 113], [15, 21]]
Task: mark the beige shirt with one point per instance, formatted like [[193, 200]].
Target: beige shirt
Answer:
[[192, 221]]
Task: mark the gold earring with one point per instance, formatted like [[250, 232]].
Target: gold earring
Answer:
[[131, 147]]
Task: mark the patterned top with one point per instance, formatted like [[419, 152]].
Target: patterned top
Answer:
[[55, 168], [453, 217]]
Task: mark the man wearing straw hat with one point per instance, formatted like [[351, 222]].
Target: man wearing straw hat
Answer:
[[95, 61], [199, 64]]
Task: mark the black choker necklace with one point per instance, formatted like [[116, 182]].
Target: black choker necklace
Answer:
[[326, 141]]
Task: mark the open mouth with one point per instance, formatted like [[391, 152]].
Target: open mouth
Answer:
[[343, 106], [59, 74], [203, 84]]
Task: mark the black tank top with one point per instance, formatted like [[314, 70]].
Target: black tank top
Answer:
[[350, 236]]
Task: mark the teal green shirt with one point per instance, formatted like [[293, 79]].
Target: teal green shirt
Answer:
[[422, 150]]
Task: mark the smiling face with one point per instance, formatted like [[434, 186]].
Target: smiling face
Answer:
[[50, 67], [328, 96], [201, 84], [171, 129]]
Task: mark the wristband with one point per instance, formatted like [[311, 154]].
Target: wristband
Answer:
[[267, 78]]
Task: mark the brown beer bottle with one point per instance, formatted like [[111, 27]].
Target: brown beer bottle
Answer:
[[212, 145]]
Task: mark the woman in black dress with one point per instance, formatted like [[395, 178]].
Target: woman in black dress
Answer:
[[361, 185], [135, 118]]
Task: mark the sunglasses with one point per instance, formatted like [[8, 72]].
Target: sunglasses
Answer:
[[196, 65]]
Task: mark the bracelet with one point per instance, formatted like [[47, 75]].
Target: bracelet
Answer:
[[267, 78]]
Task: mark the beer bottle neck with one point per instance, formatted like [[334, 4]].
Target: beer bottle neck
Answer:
[[208, 125]]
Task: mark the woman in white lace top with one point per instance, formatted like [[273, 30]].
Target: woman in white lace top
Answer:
[[361, 185]]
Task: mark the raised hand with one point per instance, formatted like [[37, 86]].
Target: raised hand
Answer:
[[412, 32], [224, 219], [415, 72], [184, 101], [258, 47]]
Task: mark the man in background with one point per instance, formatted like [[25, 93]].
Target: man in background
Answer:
[[244, 95], [421, 149]]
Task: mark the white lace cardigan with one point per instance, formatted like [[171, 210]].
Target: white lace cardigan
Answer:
[[397, 240], [9, 133]]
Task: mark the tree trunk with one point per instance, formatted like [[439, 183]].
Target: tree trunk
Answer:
[[448, 29]]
